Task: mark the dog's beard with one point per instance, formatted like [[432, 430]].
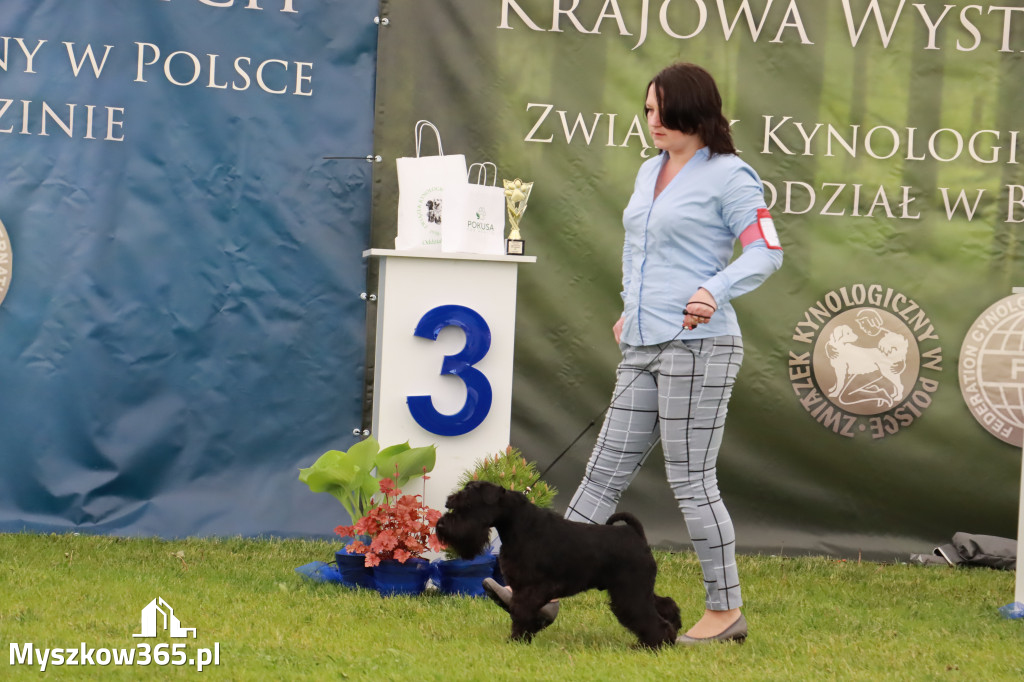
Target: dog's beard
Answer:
[[465, 538]]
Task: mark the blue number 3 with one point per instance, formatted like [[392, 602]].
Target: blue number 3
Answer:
[[478, 389]]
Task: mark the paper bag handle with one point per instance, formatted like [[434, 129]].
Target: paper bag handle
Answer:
[[481, 172], [420, 125]]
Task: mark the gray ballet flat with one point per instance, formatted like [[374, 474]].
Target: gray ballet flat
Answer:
[[737, 632]]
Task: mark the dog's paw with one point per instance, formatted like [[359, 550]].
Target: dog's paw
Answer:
[[521, 638], [640, 646]]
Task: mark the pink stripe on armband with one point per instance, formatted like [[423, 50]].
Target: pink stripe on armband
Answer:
[[750, 235]]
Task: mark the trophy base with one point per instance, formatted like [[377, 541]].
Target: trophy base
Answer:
[[515, 247]]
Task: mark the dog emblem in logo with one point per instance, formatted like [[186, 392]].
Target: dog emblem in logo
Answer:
[[879, 357], [866, 361], [6, 262]]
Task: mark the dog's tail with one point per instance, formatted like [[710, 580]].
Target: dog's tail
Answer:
[[630, 520]]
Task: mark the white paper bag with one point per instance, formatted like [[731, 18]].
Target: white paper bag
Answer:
[[431, 192], [483, 230]]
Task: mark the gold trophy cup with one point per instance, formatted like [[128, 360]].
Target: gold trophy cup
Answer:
[[517, 193]]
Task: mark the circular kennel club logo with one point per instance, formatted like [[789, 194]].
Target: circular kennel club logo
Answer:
[[867, 361], [6, 262], [991, 369]]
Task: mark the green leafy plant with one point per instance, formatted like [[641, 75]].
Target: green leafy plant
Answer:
[[400, 527], [511, 470], [354, 476]]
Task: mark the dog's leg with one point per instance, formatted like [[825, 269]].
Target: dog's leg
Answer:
[[840, 370], [669, 610], [525, 612], [639, 614]]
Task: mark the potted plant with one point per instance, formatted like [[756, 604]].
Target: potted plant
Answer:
[[354, 478], [510, 470], [392, 537]]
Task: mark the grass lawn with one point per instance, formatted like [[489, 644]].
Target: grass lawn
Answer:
[[810, 619]]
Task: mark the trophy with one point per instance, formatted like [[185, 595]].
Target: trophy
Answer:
[[517, 193]]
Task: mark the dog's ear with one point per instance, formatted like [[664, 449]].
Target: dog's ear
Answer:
[[466, 497], [508, 498], [491, 494]]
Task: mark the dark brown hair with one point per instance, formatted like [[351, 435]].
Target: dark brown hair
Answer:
[[688, 101]]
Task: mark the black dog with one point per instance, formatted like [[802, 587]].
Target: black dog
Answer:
[[544, 557]]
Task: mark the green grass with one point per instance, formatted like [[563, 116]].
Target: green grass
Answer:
[[810, 619]]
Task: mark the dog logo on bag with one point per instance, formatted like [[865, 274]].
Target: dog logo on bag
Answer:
[[430, 207], [867, 361], [434, 211]]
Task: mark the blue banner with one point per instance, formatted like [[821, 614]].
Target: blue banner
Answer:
[[182, 327]]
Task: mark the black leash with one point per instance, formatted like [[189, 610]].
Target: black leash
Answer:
[[604, 410], [614, 398]]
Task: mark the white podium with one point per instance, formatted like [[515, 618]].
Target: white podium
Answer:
[[443, 372]]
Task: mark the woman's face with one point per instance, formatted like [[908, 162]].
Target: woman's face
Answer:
[[664, 138]]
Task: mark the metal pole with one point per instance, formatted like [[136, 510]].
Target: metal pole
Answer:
[[1018, 595]]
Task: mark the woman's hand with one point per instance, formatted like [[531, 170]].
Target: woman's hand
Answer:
[[617, 330], [699, 309]]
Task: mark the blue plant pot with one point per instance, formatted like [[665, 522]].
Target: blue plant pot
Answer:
[[352, 567], [463, 576], [391, 577], [353, 570]]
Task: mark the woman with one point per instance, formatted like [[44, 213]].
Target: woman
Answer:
[[678, 332]]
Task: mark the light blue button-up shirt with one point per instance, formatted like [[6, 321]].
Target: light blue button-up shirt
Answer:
[[683, 240]]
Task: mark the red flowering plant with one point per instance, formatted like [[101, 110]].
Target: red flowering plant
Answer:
[[400, 527]]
